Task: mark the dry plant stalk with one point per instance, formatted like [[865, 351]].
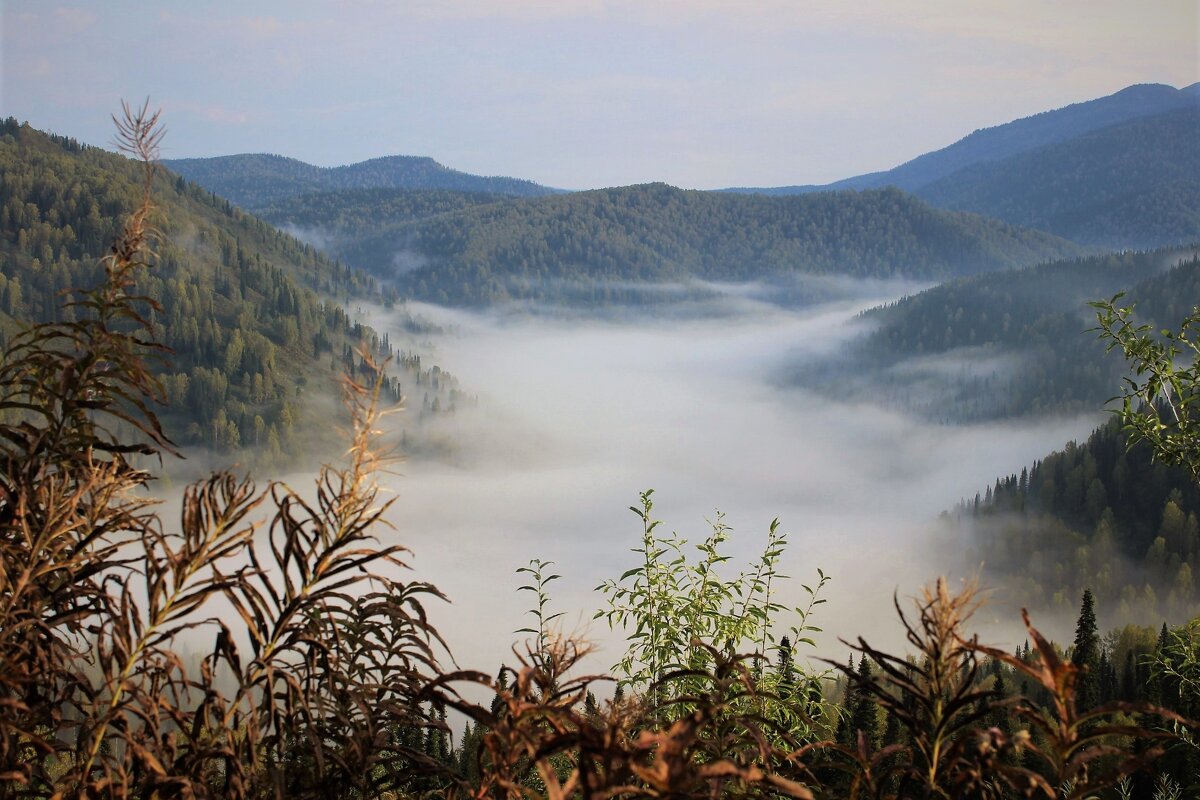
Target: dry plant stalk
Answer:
[[95, 700], [1081, 752], [936, 698], [544, 742]]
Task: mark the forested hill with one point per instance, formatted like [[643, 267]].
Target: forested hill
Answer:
[[1014, 342], [246, 309], [1136, 184], [1097, 515], [256, 180], [336, 218], [1019, 136], [585, 243]]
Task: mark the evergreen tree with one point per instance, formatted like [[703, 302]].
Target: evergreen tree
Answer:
[[864, 714], [1086, 654]]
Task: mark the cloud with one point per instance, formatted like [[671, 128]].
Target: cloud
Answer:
[[215, 113], [75, 19], [260, 27]]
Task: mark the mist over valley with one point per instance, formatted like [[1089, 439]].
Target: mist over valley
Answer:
[[578, 413]]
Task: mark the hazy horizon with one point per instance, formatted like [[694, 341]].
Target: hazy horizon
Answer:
[[586, 94]]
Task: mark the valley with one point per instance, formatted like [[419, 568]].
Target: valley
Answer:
[[418, 419]]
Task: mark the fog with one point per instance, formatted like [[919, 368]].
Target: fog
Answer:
[[578, 415]]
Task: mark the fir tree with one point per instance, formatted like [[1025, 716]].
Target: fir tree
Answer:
[[864, 714], [1086, 654]]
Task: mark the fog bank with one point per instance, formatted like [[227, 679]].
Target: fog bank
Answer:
[[576, 416]]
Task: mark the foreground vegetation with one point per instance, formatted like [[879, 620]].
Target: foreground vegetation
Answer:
[[325, 677]]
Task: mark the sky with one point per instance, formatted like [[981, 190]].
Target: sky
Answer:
[[583, 93]]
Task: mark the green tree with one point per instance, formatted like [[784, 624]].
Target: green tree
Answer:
[[1086, 653], [1158, 402]]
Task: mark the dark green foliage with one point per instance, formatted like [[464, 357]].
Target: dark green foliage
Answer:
[[366, 212], [590, 246], [864, 714], [1086, 654], [1136, 184], [1015, 342], [1099, 514], [247, 312], [1159, 399], [257, 180]]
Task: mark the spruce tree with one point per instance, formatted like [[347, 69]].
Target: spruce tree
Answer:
[[864, 714], [1129, 685], [845, 730], [1086, 654]]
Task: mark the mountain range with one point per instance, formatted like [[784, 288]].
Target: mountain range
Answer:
[[1120, 171], [1117, 172], [1012, 138], [254, 180]]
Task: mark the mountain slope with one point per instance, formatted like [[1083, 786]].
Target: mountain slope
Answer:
[[353, 213], [256, 180], [257, 346], [1136, 184], [1019, 136], [1012, 343], [589, 241], [1097, 514]]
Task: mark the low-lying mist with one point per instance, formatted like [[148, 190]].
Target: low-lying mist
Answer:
[[577, 415]]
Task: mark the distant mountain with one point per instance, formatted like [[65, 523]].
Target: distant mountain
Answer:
[[590, 245], [256, 180], [258, 338], [1134, 184], [1019, 136], [354, 213], [1014, 342]]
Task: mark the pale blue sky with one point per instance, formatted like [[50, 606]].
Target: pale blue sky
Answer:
[[698, 93]]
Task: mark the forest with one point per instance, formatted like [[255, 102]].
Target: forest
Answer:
[[1102, 514], [329, 678], [1037, 318], [252, 316], [590, 242]]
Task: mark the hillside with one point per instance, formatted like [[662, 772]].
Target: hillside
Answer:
[[1096, 514], [258, 341], [1136, 184], [256, 180], [1012, 343], [351, 213], [598, 245], [1019, 136]]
